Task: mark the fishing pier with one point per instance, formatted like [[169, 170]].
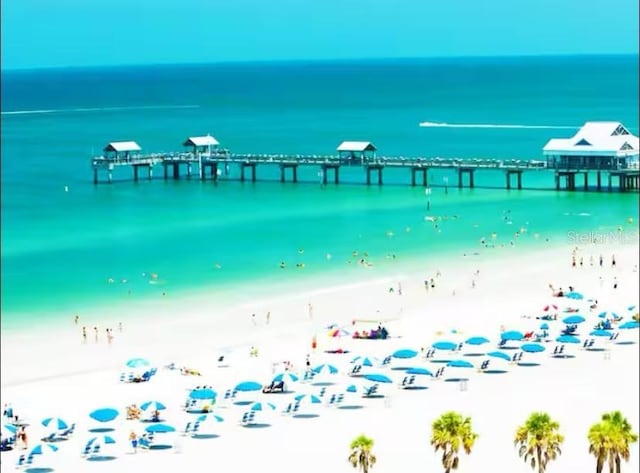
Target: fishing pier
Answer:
[[205, 159]]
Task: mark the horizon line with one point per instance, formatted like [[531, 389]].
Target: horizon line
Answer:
[[317, 61]]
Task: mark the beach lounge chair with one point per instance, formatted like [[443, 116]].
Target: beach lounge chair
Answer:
[[460, 346], [386, 361], [21, 461], [144, 442], [332, 400], [68, 432], [439, 373], [371, 391], [614, 336], [308, 375], [96, 449], [484, 365], [591, 343], [187, 428], [288, 409], [322, 392], [50, 438], [230, 394], [339, 398], [248, 418], [502, 343]]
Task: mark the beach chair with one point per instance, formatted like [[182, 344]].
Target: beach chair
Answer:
[[322, 392], [614, 336], [371, 390], [50, 438], [591, 343], [288, 409], [96, 449], [386, 361], [87, 449], [439, 373], [355, 371], [502, 343], [144, 442], [68, 432], [187, 428], [21, 461], [308, 375], [230, 394], [339, 398], [460, 346], [195, 427], [484, 365], [332, 400], [153, 372]]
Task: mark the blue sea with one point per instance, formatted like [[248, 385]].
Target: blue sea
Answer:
[[67, 251]]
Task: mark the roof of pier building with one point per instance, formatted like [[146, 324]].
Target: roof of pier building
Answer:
[[122, 146], [606, 139], [201, 141], [356, 146]]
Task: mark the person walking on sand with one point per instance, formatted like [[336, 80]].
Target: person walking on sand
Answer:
[[310, 307], [253, 319], [84, 334], [95, 329], [133, 438], [76, 318], [268, 317]]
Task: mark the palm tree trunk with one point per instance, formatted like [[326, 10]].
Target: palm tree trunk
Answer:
[[618, 464], [538, 459], [599, 465]]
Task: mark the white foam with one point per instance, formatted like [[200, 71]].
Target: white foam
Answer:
[[490, 125], [99, 109]]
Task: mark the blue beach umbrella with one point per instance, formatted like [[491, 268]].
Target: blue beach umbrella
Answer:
[[532, 348], [310, 398], [630, 324], [477, 341], [574, 295], [153, 405], [499, 354], [202, 394], [262, 406], [419, 371], [377, 378], [567, 339], [608, 315], [101, 440], [351, 388], [209, 417], [600, 333], [55, 422], [325, 368], [138, 363], [445, 345], [106, 414], [512, 335], [160, 428], [573, 319], [10, 429], [365, 361], [544, 326], [404, 353], [286, 376], [43, 449], [460, 364], [247, 386]]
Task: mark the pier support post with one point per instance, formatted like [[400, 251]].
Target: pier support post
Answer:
[[599, 180], [166, 171], [471, 174], [188, 170], [135, 173], [110, 176], [95, 175], [520, 180], [508, 180], [557, 178], [586, 180], [150, 172], [176, 171], [459, 178]]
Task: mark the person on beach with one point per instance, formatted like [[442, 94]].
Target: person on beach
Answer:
[[613, 261], [95, 329], [253, 319], [76, 318], [21, 436], [591, 260], [268, 317], [133, 438], [310, 307], [601, 260], [109, 336], [84, 334], [120, 327]]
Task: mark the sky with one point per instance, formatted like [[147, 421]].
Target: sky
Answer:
[[81, 33]]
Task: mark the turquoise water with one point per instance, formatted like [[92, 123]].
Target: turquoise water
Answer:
[[59, 248]]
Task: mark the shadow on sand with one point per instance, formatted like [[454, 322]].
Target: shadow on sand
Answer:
[[204, 436], [528, 363], [415, 388], [39, 470], [495, 371], [455, 380], [101, 458], [305, 416], [256, 426], [102, 430], [352, 407]]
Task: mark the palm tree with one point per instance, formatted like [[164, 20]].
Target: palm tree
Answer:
[[361, 455], [449, 432], [609, 441], [538, 440]]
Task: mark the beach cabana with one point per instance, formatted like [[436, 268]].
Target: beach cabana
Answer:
[[596, 146], [202, 144], [356, 151], [121, 150]]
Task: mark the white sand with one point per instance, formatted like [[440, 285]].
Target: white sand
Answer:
[[55, 374]]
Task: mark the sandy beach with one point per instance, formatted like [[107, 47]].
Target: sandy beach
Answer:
[[53, 372]]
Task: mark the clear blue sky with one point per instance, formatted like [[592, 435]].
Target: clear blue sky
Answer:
[[52, 33]]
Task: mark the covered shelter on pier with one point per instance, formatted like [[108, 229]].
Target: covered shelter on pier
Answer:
[[202, 144], [596, 146], [356, 151], [121, 150]]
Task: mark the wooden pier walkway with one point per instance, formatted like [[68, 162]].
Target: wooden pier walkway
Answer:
[[209, 165]]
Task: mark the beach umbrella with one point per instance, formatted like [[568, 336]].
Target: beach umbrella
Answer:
[[202, 394], [106, 414], [310, 398], [351, 388], [55, 422], [512, 335], [159, 428], [499, 354], [9, 429], [286, 376], [419, 371], [338, 332], [443, 345], [325, 368], [365, 361], [574, 295], [544, 326], [101, 440], [460, 364], [247, 386], [377, 378], [153, 405], [138, 363], [262, 406], [404, 353], [477, 341], [567, 339], [532, 348], [573, 319], [631, 324], [209, 417], [608, 315], [43, 449], [600, 333]]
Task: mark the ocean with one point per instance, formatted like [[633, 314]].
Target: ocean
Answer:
[[67, 251]]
